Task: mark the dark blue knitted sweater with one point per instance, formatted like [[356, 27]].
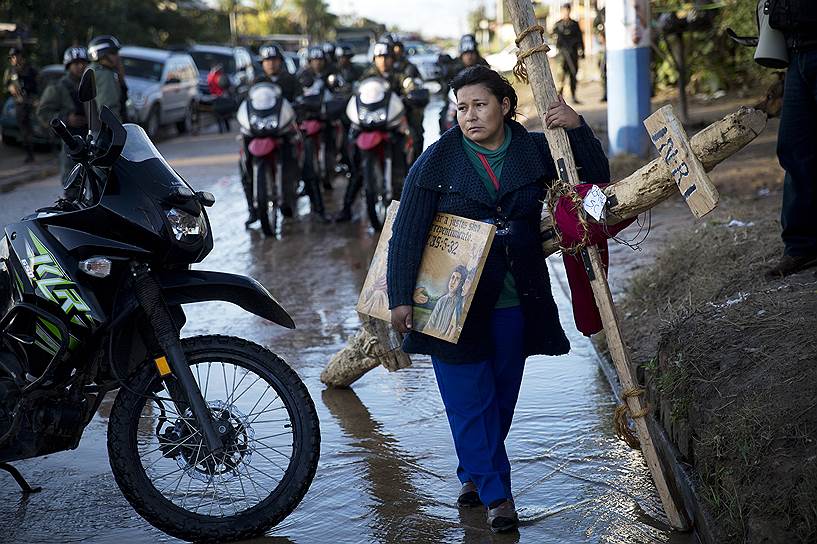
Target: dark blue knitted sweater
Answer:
[[444, 180]]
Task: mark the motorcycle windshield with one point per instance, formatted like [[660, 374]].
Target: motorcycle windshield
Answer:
[[264, 96], [373, 90], [143, 155]]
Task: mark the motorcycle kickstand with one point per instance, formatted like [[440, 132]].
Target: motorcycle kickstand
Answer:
[[21, 481]]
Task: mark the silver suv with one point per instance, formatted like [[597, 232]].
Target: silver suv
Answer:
[[162, 88]]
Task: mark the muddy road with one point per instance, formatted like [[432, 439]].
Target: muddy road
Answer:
[[387, 465]]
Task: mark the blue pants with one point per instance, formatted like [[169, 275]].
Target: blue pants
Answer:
[[797, 152], [479, 399]]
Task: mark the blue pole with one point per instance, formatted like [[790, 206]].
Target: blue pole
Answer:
[[628, 75]]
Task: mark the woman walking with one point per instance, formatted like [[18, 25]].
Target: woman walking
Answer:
[[488, 168]]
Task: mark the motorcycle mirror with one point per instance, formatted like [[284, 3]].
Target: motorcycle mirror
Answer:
[[74, 178], [87, 95], [87, 86]]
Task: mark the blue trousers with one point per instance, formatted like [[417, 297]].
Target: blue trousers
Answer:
[[479, 400], [797, 152]]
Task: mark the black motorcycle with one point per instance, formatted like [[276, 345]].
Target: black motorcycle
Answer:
[[210, 438]]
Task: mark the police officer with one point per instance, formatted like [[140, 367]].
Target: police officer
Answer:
[[331, 59], [272, 61], [401, 62], [111, 90], [570, 42], [61, 100], [382, 67], [469, 56], [20, 79], [349, 72], [315, 69]]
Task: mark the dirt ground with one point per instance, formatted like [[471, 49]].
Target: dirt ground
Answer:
[[729, 359]]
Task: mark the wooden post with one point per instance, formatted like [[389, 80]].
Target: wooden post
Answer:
[[544, 93]]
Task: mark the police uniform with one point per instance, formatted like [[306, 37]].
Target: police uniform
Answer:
[[60, 100], [109, 89]]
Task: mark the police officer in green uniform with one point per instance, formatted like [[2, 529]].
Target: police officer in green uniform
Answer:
[[61, 100], [272, 61], [111, 90], [20, 80]]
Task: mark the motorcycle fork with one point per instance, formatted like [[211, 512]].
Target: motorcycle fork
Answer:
[[173, 362]]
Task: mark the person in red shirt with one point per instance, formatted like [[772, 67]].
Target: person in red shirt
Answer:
[[218, 84]]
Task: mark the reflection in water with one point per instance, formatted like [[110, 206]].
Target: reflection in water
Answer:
[[395, 500]]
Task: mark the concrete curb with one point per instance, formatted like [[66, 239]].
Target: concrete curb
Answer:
[[21, 176]]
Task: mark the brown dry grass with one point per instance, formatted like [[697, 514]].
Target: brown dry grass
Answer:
[[736, 370]]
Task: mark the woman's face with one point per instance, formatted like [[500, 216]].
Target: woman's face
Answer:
[[480, 115]]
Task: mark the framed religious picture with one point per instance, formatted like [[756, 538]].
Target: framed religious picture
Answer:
[[452, 263]]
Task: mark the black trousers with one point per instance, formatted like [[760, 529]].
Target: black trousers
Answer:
[[797, 153], [23, 112]]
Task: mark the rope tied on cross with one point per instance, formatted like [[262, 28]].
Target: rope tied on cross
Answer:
[[519, 70], [623, 412]]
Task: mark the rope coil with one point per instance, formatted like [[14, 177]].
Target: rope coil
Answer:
[[519, 70], [621, 415]]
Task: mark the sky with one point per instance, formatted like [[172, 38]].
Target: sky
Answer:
[[443, 18]]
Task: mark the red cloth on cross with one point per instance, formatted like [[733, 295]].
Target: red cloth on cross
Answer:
[[585, 312]]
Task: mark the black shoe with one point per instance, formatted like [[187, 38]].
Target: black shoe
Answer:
[[503, 518], [251, 219], [576, 100], [604, 98], [344, 216], [468, 497], [788, 265]]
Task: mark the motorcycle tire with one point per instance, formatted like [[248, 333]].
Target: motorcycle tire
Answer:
[[378, 197], [311, 175], [126, 427], [266, 197]]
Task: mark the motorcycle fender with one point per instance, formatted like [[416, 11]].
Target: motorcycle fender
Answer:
[[261, 147], [189, 286], [311, 127], [370, 140]]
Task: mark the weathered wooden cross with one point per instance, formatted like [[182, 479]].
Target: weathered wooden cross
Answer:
[[681, 166]]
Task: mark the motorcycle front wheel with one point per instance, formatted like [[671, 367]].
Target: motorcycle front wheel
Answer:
[[266, 197], [378, 194], [271, 433]]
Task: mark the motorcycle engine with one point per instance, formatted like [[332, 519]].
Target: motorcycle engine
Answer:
[[9, 395]]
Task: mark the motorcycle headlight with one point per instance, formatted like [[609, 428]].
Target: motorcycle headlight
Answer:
[[372, 117], [186, 227]]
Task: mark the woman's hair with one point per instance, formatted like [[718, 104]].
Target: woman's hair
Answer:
[[498, 85]]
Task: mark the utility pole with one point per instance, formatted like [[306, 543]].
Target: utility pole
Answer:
[[628, 75]]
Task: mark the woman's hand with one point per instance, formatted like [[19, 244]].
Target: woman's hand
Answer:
[[401, 318], [561, 115]]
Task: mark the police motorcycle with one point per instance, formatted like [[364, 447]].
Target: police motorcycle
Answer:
[[450, 116], [268, 120], [210, 438], [320, 110], [382, 136]]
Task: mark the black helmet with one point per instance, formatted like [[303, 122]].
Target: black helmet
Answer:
[[468, 43], [382, 49], [16, 51], [73, 54], [315, 53], [271, 51], [344, 50], [102, 45]]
